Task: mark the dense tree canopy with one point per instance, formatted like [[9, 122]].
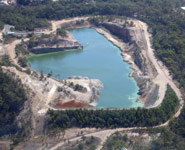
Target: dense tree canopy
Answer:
[[164, 17], [12, 97], [115, 118], [167, 22]]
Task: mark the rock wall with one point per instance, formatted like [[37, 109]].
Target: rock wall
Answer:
[[118, 30], [137, 49], [50, 50], [134, 48], [55, 43]]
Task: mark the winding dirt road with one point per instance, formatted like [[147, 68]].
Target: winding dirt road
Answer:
[[163, 78]]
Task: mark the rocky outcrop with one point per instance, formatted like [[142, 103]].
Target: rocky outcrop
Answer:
[[55, 44], [50, 50], [118, 30]]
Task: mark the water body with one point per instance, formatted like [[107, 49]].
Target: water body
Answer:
[[99, 59]]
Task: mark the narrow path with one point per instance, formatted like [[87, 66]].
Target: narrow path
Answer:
[[50, 94], [47, 99], [57, 24]]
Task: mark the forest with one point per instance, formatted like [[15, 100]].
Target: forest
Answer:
[[166, 22], [105, 118], [12, 98], [171, 138]]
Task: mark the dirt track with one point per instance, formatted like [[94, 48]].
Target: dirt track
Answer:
[[163, 78]]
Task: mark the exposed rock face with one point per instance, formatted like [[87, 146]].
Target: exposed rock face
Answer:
[[55, 44], [136, 48], [137, 56], [50, 50], [118, 30]]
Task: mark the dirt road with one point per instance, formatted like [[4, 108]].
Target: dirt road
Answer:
[[10, 50], [162, 79], [57, 24], [100, 134]]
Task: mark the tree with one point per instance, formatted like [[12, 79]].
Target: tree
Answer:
[[62, 32]]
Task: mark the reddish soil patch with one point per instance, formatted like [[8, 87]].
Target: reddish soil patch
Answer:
[[72, 104]]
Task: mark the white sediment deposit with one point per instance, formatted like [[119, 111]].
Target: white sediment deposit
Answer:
[[92, 87]]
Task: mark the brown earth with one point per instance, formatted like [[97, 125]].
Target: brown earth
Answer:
[[72, 104]]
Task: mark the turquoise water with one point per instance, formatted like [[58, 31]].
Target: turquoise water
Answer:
[[99, 59]]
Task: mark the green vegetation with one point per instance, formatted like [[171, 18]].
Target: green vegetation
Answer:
[[22, 62], [62, 32], [12, 97], [167, 140], [77, 87], [5, 61], [32, 42], [116, 142], [171, 138], [21, 49], [85, 143], [1, 25], [115, 118], [21, 52], [164, 17], [23, 18], [177, 125], [166, 20], [32, 2]]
